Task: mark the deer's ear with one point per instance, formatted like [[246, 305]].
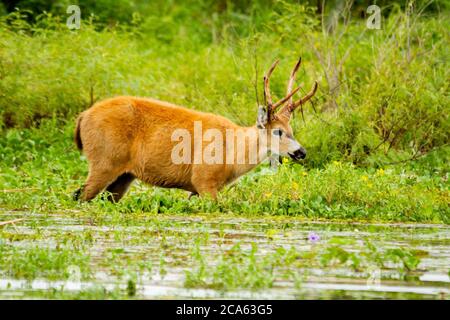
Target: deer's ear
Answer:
[[262, 118]]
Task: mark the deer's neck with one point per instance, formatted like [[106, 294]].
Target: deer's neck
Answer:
[[250, 149]]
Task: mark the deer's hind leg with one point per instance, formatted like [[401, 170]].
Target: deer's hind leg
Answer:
[[120, 186], [98, 179]]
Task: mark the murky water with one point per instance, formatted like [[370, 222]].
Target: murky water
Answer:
[[166, 243]]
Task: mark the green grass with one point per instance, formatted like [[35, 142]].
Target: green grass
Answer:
[[383, 94], [51, 263], [40, 168]]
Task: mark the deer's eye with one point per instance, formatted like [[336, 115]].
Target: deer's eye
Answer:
[[277, 132]]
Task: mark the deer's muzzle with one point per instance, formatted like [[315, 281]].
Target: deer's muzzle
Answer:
[[298, 154]]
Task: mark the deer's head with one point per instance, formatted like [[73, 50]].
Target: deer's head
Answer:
[[277, 122]]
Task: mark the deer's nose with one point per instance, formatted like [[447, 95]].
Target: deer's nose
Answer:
[[299, 153]]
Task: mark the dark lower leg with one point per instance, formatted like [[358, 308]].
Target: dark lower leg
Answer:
[[95, 183], [119, 187], [76, 194]]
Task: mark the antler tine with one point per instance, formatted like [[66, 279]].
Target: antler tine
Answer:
[[267, 96], [310, 94], [289, 96], [292, 78], [288, 108]]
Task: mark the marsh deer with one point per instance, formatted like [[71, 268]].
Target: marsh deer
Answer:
[[125, 138]]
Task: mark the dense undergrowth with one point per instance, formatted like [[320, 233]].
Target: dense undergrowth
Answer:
[[41, 168], [376, 133]]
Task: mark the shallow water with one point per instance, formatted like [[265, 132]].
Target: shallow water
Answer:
[[166, 243]]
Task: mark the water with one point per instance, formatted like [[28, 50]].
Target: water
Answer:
[[118, 245]]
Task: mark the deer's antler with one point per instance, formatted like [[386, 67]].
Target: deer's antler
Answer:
[[291, 105], [271, 107]]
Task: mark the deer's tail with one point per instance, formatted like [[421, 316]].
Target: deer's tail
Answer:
[[78, 141]]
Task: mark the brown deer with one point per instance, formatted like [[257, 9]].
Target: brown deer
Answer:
[[125, 138]]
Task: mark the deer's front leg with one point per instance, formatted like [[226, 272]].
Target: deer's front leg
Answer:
[[206, 192], [207, 180]]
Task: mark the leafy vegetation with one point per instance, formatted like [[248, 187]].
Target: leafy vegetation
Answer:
[[40, 169], [383, 94], [377, 137]]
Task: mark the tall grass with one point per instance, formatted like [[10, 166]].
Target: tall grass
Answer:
[[383, 94], [40, 169]]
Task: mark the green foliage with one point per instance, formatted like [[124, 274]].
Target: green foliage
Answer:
[[392, 106], [245, 268], [383, 94], [404, 259], [40, 168], [383, 101], [236, 269], [40, 261]]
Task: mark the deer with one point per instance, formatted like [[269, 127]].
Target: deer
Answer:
[[126, 138]]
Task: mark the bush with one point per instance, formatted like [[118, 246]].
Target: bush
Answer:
[[383, 94]]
